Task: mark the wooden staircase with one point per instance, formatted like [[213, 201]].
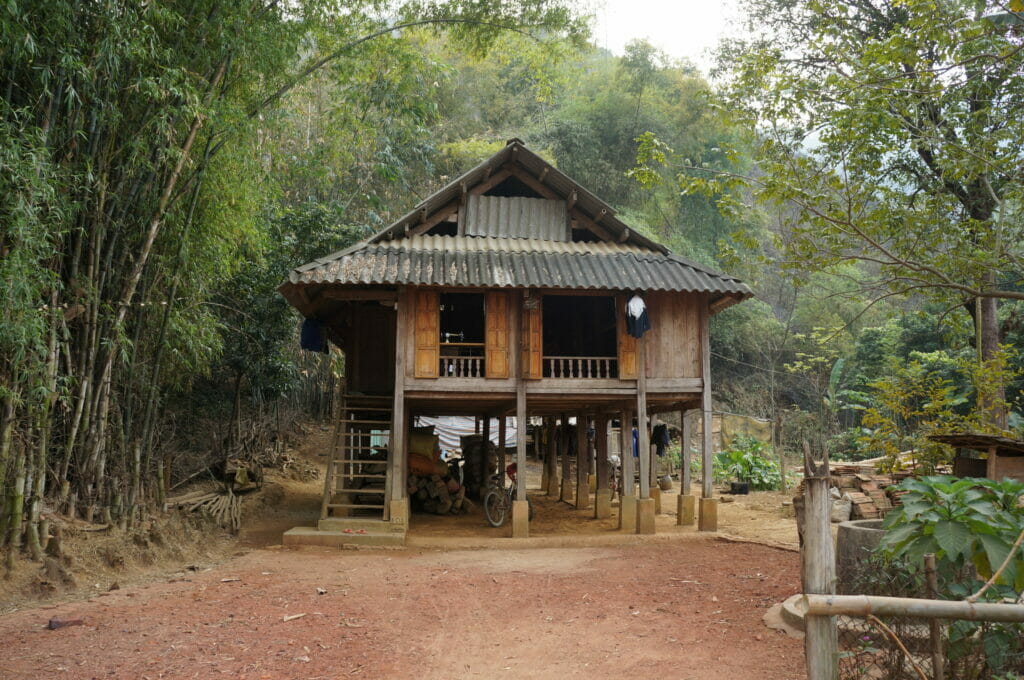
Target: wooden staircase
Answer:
[[357, 482], [357, 486]]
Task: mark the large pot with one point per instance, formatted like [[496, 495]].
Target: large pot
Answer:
[[854, 545]]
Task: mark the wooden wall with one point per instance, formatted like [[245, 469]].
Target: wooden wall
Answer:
[[370, 350], [673, 343]]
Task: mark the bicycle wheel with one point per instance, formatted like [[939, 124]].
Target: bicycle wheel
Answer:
[[495, 508]]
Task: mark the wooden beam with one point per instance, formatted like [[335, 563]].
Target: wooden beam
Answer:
[[531, 181], [572, 200], [488, 184], [521, 440], [435, 219], [566, 442], [685, 438], [582, 462], [601, 446], [624, 236], [543, 174], [396, 473], [706, 453], [628, 470], [643, 433], [586, 223]]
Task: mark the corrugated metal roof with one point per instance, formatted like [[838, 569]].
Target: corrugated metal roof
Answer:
[[516, 217], [518, 263]]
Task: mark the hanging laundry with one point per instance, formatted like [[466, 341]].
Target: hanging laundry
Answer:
[[637, 321], [660, 437], [313, 336]]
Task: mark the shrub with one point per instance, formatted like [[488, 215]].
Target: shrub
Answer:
[[747, 461]]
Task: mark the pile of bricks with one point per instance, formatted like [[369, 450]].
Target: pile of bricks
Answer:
[[867, 491]]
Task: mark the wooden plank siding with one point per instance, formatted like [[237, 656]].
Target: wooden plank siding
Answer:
[[673, 345]]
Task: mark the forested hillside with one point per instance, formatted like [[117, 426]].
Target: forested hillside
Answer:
[[162, 167]]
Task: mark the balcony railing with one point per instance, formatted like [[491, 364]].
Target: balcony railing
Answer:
[[581, 367], [462, 367], [462, 360]]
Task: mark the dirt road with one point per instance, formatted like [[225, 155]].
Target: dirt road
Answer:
[[689, 609]]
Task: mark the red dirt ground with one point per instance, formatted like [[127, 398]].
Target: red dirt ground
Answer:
[[691, 608]]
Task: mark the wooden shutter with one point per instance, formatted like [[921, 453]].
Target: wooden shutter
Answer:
[[533, 339], [627, 343], [427, 329], [496, 338]]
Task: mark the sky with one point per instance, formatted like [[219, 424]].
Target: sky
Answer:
[[682, 28]]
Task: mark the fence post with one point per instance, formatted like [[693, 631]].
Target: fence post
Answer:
[[818, 569], [934, 625]]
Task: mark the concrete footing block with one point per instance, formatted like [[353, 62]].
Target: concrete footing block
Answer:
[[399, 515], [566, 494], [656, 497], [686, 510], [582, 495], [554, 486], [645, 515], [520, 519], [602, 504], [627, 514], [708, 514]]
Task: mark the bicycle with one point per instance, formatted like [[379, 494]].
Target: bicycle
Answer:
[[498, 500]]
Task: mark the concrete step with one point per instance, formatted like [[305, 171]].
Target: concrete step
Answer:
[[354, 523], [336, 539]]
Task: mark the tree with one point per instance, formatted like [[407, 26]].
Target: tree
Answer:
[[894, 131]]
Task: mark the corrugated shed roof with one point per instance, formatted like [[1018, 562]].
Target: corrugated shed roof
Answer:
[[516, 217], [518, 263]]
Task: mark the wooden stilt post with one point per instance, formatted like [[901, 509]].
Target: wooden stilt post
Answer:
[[602, 494], [708, 504], [551, 462], [520, 507], [627, 501], [686, 502], [566, 444], [397, 510], [818, 570], [502, 442], [485, 431], [582, 463]]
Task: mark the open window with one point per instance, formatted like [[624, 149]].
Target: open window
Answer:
[[462, 335], [580, 336]]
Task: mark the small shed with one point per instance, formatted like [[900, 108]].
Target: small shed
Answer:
[[1005, 455]]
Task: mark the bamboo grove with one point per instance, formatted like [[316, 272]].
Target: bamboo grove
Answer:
[[135, 142]]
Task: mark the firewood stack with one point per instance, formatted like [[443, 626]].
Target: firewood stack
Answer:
[[438, 495]]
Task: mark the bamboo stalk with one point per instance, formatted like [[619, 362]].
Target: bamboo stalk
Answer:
[[862, 605]]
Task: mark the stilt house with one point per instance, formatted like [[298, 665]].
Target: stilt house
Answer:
[[505, 293]]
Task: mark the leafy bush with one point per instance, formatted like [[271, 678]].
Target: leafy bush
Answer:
[[747, 461], [971, 526]]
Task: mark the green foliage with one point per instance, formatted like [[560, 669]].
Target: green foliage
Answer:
[[747, 460], [963, 522], [970, 525], [887, 128]]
